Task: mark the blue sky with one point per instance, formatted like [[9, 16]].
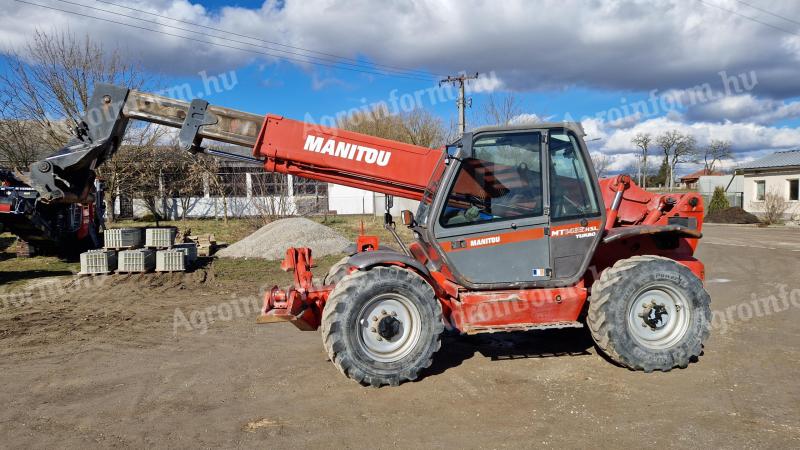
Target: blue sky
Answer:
[[560, 59]]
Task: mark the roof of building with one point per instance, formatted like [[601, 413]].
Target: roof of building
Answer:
[[696, 175], [788, 158]]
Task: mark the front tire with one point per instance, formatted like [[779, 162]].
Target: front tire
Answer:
[[649, 313], [336, 272], [382, 326]]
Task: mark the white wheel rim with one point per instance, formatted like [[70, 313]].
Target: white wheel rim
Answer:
[[658, 318], [391, 307]]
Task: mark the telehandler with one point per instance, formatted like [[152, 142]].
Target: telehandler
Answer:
[[514, 231]]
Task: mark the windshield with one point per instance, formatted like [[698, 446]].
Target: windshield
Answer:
[[433, 187]]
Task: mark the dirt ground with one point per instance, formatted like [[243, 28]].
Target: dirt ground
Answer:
[[177, 361]]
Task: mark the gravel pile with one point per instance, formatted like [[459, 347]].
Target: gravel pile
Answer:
[[731, 215], [272, 240]]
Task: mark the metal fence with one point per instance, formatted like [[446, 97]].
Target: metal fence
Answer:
[[735, 199]]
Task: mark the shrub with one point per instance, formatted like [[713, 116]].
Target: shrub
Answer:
[[774, 207], [719, 200]]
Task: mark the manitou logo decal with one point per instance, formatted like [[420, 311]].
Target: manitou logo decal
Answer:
[[578, 232], [346, 150], [484, 241]]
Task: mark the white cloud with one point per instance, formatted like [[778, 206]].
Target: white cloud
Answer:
[[745, 108], [525, 118], [748, 139], [616, 44]]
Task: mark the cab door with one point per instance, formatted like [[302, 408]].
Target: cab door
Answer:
[[493, 223], [575, 213]]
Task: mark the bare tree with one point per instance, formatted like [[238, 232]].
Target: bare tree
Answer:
[[601, 161], [416, 127], [500, 110], [716, 151], [678, 148], [45, 88], [131, 171], [423, 128], [642, 142], [270, 196]]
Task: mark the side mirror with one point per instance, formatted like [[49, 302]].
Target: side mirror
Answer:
[[407, 217]]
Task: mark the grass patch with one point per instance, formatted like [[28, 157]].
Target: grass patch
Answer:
[[229, 232], [260, 270], [16, 272], [350, 227]]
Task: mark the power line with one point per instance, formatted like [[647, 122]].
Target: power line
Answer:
[[359, 65], [404, 69], [332, 65], [750, 18], [769, 12]]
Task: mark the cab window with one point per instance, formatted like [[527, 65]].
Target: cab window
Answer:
[[571, 191], [502, 181]]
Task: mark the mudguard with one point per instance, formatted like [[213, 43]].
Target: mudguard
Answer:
[[367, 260], [615, 234]]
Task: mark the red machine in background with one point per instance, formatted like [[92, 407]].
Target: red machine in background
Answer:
[[514, 232]]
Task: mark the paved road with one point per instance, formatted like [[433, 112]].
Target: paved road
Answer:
[[103, 368], [774, 238]]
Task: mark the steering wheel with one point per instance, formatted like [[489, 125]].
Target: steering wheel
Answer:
[[580, 208]]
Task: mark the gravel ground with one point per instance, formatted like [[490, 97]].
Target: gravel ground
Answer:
[[272, 240], [112, 364]]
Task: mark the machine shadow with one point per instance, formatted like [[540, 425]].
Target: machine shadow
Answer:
[[514, 345]]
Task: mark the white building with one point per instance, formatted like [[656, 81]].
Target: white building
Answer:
[[779, 174], [732, 184], [249, 191]]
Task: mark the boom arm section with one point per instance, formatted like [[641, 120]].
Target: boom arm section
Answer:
[[346, 158], [281, 145]]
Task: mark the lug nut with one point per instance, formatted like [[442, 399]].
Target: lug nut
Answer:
[[374, 318], [373, 329], [394, 313]]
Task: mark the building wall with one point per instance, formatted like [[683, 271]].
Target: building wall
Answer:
[[347, 200], [210, 207], [707, 183], [775, 181]]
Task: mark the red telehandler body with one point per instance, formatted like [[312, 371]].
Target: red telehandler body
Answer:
[[514, 232]]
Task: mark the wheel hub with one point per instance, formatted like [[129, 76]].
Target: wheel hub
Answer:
[[655, 315], [389, 327], [659, 316]]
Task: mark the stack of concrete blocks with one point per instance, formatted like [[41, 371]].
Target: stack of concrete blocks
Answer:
[[125, 252], [131, 258], [122, 238], [169, 257], [138, 260], [106, 260], [98, 262]]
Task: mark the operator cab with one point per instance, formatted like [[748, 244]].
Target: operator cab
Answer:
[[514, 206]]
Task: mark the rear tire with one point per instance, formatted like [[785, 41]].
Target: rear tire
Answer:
[[649, 313], [382, 326]]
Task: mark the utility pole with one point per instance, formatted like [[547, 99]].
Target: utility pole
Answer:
[[462, 102]]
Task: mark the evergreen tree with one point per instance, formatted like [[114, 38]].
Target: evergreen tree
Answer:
[[718, 201]]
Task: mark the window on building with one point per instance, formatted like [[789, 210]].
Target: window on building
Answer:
[[232, 181], [183, 184], [305, 186], [269, 184], [793, 190], [761, 189]]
